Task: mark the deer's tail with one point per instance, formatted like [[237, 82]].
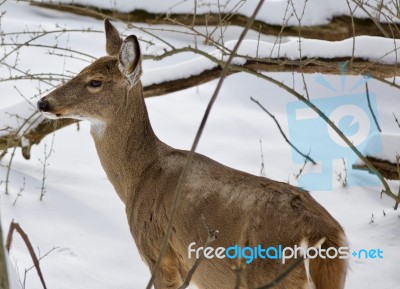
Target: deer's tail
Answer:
[[329, 273]]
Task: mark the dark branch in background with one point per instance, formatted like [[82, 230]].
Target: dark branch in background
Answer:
[[33, 136], [396, 120], [24, 236], [370, 107], [386, 168], [185, 169], [398, 174], [339, 28], [306, 156]]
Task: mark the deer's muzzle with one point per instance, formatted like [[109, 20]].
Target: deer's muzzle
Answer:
[[43, 105]]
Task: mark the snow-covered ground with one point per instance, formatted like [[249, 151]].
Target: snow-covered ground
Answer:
[[84, 220]]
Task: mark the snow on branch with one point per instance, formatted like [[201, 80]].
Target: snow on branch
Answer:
[[263, 53], [333, 21]]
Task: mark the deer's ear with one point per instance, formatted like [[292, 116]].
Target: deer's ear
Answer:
[[130, 62], [113, 41]]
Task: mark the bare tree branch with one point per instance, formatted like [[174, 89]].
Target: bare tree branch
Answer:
[[325, 66], [339, 28], [16, 227], [398, 173], [386, 168]]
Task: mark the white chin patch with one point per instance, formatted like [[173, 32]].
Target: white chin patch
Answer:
[[50, 115], [54, 116]]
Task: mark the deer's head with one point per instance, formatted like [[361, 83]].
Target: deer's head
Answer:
[[99, 89]]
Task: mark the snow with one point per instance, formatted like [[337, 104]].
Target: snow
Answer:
[[390, 144], [82, 217], [23, 116], [364, 47], [180, 70]]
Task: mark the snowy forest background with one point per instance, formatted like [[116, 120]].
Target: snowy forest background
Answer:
[[340, 55]]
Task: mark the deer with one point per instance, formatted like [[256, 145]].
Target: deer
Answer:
[[247, 210]]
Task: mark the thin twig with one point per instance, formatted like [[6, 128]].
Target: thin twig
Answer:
[[262, 169], [398, 172], [370, 107], [183, 176], [353, 30], [21, 189], [299, 19], [238, 273], [396, 120], [343, 178], [285, 21], [306, 156], [42, 257], [301, 170], [376, 22], [44, 163], [211, 237], [283, 275]]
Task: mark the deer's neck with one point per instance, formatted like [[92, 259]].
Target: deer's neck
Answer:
[[126, 143]]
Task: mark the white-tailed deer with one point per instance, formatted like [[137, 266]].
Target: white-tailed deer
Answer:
[[247, 210]]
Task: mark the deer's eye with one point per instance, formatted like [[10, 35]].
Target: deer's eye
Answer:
[[94, 83]]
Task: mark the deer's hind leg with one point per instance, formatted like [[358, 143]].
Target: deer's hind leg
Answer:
[[168, 275]]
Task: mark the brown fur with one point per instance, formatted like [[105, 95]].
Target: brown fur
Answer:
[[329, 273], [245, 209]]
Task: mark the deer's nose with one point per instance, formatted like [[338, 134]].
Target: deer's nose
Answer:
[[43, 105]]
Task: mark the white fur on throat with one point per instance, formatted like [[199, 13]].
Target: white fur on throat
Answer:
[[97, 127]]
